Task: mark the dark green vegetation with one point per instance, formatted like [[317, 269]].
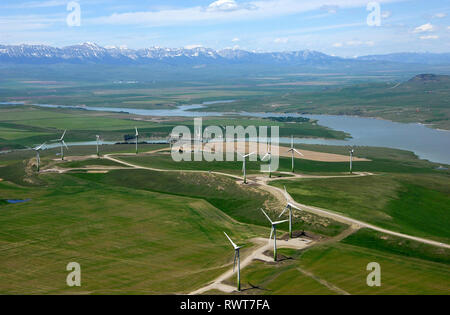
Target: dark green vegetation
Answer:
[[410, 203]]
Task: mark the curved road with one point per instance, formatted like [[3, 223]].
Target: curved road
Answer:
[[319, 211]]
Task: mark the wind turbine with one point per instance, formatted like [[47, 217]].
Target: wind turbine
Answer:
[[38, 158], [274, 232], [62, 143], [237, 261], [98, 143], [243, 165], [268, 154], [293, 150], [351, 150], [137, 139], [288, 207]]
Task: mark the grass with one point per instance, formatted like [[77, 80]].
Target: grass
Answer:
[[345, 267], [22, 126], [398, 246], [381, 160], [407, 267], [90, 163], [277, 280], [242, 204], [126, 240], [408, 203]]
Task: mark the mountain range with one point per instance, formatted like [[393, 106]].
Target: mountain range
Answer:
[[92, 53]]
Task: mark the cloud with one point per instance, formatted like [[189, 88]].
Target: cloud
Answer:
[[354, 43], [424, 28], [225, 11], [281, 40], [234, 40], [440, 15], [223, 5], [37, 4], [193, 46], [386, 14], [330, 8], [426, 37]]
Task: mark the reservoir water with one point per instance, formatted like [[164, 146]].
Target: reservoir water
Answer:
[[427, 143]]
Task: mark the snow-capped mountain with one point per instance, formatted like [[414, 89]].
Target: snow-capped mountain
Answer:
[[93, 53]]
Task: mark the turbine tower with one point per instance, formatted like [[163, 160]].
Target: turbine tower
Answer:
[[237, 261], [274, 232], [293, 150], [98, 143], [243, 165], [288, 207], [351, 150], [268, 154], [38, 158], [62, 144], [137, 139]]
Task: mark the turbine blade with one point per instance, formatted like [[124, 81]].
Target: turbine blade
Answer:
[[65, 144], [285, 208], [64, 133], [266, 216], [271, 233], [267, 154], [298, 152], [279, 222], [232, 243]]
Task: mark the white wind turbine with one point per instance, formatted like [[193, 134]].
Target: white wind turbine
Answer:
[[243, 164], [237, 261], [137, 139], [288, 207], [268, 154], [38, 157], [274, 232], [62, 144], [351, 150], [293, 150], [98, 143]]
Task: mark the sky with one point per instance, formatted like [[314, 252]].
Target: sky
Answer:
[[337, 27]]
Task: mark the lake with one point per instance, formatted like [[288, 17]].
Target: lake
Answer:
[[427, 143]]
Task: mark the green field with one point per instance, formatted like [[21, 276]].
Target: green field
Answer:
[[126, 240], [22, 126], [409, 203], [407, 267]]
